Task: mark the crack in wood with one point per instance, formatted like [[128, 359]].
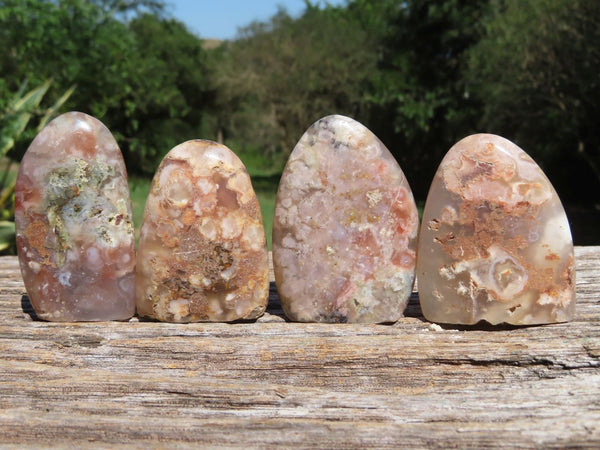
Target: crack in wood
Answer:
[[148, 384]]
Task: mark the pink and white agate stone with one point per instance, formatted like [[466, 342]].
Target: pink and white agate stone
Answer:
[[202, 252], [73, 221], [345, 228], [495, 243]]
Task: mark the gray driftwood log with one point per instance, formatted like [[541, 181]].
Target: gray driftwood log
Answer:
[[272, 383]]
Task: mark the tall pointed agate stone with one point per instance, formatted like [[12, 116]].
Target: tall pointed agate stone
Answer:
[[73, 221], [495, 243], [202, 252], [345, 228]]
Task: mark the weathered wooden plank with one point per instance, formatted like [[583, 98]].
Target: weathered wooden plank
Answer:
[[273, 383]]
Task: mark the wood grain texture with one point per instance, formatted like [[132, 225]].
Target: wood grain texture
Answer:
[[273, 383]]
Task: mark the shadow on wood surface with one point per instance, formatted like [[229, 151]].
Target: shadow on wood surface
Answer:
[[274, 313], [273, 308], [272, 384], [28, 308]]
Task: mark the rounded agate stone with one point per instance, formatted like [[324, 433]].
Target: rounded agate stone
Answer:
[[345, 228], [73, 222], [495, 243], [202, 251]]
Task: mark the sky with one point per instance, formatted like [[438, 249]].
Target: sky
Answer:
[[220, 19]]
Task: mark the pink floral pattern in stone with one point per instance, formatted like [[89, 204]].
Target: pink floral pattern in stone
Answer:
[[495, 243], [73, 221], [202, 252], [345, 228]]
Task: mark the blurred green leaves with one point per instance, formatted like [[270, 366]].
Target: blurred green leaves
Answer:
[[420, 73], [7, 234], [537, 73], [141, 74], [14, 120], [21, 108], [279, 77]]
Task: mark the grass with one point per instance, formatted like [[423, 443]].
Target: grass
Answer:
[[266, 193], [138, 189], [266, 189]]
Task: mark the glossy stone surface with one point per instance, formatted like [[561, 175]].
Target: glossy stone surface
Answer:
[[73, 220], [345, 228], [495, 243], [202, 251]]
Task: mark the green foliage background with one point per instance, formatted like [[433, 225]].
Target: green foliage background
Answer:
[[420, 73]]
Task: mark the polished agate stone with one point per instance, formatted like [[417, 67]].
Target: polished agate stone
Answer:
[[345, 228], [73, 221], [202, 251], [495, 243]]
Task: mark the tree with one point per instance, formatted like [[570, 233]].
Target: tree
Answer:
[[143, 75], [537, 71], [169, 93], [71, 42], [279, 77], [417, 103]]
